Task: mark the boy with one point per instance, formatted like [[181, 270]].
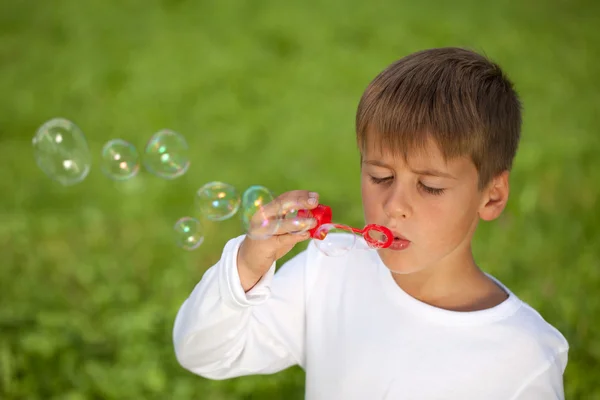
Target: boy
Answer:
[[437, 132]]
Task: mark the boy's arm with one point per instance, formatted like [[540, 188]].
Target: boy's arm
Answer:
[[221, 332], [547, 384]]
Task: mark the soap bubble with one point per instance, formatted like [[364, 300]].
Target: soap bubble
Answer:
[[166, 155], [61, 151], [297, 220], [120, 160], [334, 240], [217, 201], [261, 215], [189, 234]]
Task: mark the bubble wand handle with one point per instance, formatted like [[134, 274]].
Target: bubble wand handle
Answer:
[[355, 230]]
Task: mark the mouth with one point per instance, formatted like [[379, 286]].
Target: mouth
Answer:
[[398, 236], [400, 242]]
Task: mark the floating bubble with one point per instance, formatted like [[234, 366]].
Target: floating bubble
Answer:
[[334, 240], [61, 151], [166, 154], [261, 215], [217, 201], [120, 160], [189, 234]]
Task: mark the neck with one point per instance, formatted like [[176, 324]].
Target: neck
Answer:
[[455, 286]]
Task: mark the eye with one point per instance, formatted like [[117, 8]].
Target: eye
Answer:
[[430, 190], [379, 181]]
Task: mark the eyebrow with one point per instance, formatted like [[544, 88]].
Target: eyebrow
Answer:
[[427, 172]]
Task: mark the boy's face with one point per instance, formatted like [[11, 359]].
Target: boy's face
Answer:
[[433, 204]]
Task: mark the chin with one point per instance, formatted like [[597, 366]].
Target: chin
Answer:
[[398, 264]]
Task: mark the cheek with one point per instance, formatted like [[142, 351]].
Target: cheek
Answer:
[[369, 200], [449, 220], [365, 192]]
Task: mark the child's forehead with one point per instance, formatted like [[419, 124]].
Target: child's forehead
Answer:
[[427, 157], [427, 152]]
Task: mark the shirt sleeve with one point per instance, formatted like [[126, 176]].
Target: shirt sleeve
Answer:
[[221, 332], [547, 384]]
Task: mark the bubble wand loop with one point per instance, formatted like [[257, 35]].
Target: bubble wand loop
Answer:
[[322, 214]]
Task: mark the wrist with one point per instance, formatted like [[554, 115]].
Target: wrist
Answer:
[[248, 278]]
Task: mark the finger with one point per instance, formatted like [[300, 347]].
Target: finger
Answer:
[[296, 225], [285, 203], [291, 240], [281, 226], [297, 199]]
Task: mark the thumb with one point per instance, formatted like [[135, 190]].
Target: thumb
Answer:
[[290, 240]]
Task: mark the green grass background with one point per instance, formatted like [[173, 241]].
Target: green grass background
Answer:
[[265, 92]]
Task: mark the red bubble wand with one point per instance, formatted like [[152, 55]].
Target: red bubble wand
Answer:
[[322, 214]]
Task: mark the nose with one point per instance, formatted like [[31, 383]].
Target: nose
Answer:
[[397, 204]]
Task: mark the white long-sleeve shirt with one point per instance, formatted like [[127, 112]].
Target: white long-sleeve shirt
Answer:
[[358, 335]]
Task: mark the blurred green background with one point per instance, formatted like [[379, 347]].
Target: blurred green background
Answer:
[[265, 92]]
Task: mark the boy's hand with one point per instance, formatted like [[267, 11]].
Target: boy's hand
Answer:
[[255, 256]]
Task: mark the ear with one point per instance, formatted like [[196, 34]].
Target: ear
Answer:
[[495, 197]]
